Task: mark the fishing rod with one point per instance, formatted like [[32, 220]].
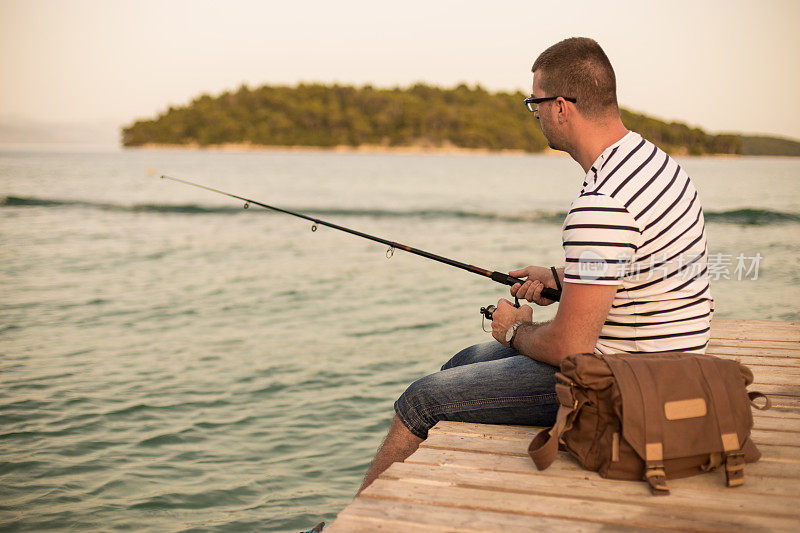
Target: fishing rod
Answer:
[[499, 277]]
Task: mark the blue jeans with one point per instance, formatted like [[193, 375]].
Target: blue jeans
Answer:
[[486, 383]]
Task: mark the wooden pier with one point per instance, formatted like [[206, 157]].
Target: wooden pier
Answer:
[[477, 477]]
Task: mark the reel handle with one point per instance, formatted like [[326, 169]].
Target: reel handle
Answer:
[[489, 310]]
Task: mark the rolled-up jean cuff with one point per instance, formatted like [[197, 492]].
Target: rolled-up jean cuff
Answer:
[[419, 430]]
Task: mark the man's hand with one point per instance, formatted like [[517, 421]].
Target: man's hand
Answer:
[[505, 316], [537, 279]]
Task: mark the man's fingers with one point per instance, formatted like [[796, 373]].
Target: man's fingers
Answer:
[[528, 290], [526, 293], [537, 295], [518, 273]]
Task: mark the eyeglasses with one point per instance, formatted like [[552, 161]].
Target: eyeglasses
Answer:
[[531, 102]]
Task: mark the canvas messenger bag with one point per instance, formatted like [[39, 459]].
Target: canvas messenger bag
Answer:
[[652, 417]]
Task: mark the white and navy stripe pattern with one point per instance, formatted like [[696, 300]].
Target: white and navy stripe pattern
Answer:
[[638, 224]]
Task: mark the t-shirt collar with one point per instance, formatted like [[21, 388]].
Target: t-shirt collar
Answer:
[[591, 176]]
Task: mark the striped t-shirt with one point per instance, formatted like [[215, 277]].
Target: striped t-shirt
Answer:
[[638, 224]]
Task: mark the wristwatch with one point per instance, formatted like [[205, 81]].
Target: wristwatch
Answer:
[[511, 332]]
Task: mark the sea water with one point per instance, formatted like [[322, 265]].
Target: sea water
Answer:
[[172, 362]]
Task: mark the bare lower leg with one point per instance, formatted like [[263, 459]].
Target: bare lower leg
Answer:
[[397, 446]]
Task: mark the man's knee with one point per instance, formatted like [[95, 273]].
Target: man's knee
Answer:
[[480, 353], [415, 406]]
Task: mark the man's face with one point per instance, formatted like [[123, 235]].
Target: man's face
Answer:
[[547, 113]]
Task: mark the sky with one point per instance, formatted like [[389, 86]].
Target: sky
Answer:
[[725, 66]]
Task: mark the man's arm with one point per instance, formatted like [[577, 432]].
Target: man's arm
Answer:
[[575, 328]]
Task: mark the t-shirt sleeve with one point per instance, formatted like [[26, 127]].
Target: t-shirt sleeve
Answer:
[[600, 237]]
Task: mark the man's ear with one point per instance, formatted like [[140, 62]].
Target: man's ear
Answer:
[[563, 110]]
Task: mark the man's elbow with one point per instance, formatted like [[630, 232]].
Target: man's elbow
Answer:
[[565, 342]]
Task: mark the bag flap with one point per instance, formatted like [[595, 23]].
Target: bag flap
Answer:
[[587, 370], [687, 414]]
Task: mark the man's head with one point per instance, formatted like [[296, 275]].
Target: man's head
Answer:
[[578, 68]]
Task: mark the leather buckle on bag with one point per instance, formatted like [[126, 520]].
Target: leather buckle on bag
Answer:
[[734, 468], [657, 478], [566, 396]]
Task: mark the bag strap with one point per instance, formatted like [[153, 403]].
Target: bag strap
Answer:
[[753, 395], [732, 448], [653, 431], [544, 446]]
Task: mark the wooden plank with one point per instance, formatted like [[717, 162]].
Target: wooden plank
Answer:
[[785, 337], [761, 477], [749, 356], [759, 369], [778, 390], [350, 523], [788, 418], [787, 390], [784, 404], [777, 465], [526, 433], [533, 503], [755, 345], [371, 514], [778, 331], [596, 488], [776, 356], [757, 337], [779, 452], [755, 332], [741, 323], [774, 378]]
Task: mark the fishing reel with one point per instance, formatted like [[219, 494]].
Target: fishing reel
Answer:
[[488, 312]]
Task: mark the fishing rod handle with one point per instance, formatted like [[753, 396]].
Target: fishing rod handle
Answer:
[[547, 292]]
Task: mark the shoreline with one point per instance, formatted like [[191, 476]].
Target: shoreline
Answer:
[[378, 149], [343, 149]]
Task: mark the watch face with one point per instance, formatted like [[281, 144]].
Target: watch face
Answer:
[[510, 332]]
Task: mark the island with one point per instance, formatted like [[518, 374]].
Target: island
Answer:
[[421, 117]]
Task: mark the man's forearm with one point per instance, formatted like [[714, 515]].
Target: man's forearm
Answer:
[[538, 341]]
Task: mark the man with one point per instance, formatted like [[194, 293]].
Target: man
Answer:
[[634, 278]]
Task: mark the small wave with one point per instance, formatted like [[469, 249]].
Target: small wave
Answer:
[[191, 209], [742, 216], [7, 467], [214, 425], [235, 495], [752, 217], [165, 439], [130, 409], [387, 331], [195, 209]]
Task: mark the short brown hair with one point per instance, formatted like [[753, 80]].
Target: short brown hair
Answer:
[[577, 67]]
